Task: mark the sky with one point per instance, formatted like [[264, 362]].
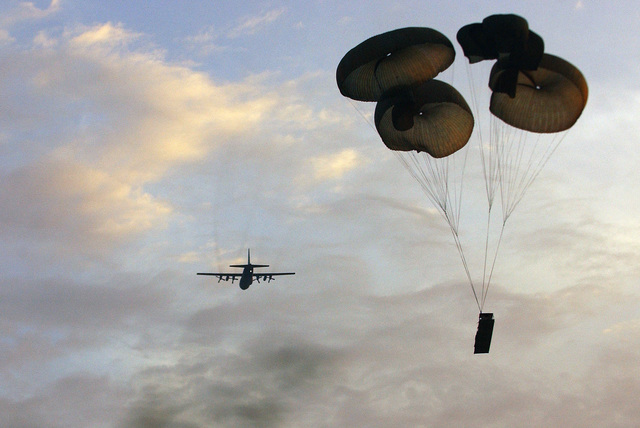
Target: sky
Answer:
[[142, 142]]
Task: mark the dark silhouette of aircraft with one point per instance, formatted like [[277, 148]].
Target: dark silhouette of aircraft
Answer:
[[247, 276]]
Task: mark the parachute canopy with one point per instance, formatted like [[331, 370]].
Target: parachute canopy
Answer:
[[432, 117], [507, 39], [402, 57], [548, 99], [414, 112]]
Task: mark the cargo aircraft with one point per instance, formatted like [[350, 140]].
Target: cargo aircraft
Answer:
[[247, 276]]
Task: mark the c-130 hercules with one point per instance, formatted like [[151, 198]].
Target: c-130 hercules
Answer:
[[247, 276]]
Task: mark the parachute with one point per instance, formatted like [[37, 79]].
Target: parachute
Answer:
[[431, 117], [507, 39], [402, 57], [528, 100], [548, 99]]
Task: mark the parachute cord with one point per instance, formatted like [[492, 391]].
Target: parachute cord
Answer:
[[514, 180], [466, 266], [486, 254], [440, 196], [514, 175], [536, 171], [459, 194], [474, 99], [493, 264], [366, 119], [489, 165]]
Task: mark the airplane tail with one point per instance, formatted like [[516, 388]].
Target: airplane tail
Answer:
[[248, 262]]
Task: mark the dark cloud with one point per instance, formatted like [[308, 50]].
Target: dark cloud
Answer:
[[78, 400], [44, 322], [403, 359], [255, 386]]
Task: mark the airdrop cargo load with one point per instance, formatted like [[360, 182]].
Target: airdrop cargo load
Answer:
[[483, 335]]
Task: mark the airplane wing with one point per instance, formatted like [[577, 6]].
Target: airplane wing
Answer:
[[223, 276], [268, 277]]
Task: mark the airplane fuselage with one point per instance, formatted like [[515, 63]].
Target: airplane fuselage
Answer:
[[247, 277]]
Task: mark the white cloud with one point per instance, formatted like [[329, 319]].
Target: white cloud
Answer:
[[5, 37], [205, 41], [253, 24], [78, 207], [103, 34], [44, 41], [334, 166], [26, 10], [129, 118]]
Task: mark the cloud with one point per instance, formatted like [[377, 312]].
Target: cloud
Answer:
[[75, 206], [148, 111], [101, 397], [206, 41], [252, 24], [103, 34], [49, 324], [26, 10], [383, 360], [335, 166], [91, 122], [5, 37], [215, 40]]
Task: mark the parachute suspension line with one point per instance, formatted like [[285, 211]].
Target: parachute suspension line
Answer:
[[521, 156], [486, 254], [487, 154], [459, 193], [456, 238], [538, 167], [434, 175], [474, 97], [434, 178], [493, 160], [513, 168], [437, 185], [490, 161], [528, 154], [485, 288], [450, 202], [366, 119]]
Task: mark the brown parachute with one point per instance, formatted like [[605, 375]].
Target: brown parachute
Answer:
[[507, 39], [548, 99], [402, 57], [433, 118], [414, 112]]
